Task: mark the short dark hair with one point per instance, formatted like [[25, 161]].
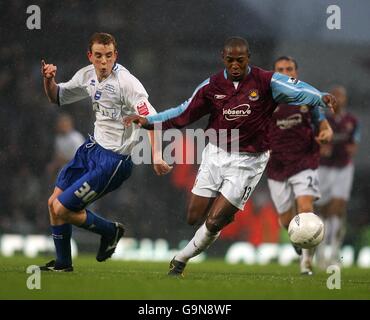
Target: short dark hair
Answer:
[[285, 58], [102, 38], [237, 41]]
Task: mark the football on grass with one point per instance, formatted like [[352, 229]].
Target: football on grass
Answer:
[[306, 230]]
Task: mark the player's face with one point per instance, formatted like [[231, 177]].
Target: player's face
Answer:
[[236, 62], [286, 67], [341, 97], [103, 58]]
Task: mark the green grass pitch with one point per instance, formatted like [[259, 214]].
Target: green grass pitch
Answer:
[[212, 279]]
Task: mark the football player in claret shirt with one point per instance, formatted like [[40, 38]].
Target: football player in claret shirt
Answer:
[[294, 136], [241, 97], [103, 162], [336, 176]]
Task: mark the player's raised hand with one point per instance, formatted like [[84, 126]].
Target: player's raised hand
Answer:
[[140, 121], [48, 71], [330, 101], [325, 136], [161, 167]]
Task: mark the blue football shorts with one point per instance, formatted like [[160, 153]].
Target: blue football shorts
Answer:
[[92, 173]]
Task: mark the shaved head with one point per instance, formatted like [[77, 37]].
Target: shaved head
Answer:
[[339, 88], [236, 42], [340, 94]]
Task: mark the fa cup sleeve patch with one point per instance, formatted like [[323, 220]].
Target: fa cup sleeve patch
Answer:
[[142, 109]]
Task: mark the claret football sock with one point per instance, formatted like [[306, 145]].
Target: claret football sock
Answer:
[[97, 224], [62, 241], [202, 239]]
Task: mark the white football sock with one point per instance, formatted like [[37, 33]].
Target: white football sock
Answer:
[[328, 231], [202, 239], [307, 254], [336, 238], [320, 250]]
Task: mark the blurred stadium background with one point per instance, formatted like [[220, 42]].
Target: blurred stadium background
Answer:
[[171, 46]]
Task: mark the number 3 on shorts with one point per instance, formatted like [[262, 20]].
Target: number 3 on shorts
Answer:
[[85, 193]]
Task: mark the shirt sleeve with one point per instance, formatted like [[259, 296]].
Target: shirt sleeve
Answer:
[[318, 115], [144, 108], [169, 113], [187, 112], [293, 91], [136, 97], [73, 90]]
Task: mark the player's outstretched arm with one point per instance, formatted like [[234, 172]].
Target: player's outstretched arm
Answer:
[[147, 122], [177, 117], [330, 101], [325, 132], [293, 91], [48, 72], [139, 120], [160, 166]]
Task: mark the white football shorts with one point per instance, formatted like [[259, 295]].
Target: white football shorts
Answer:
[[284, 193], [233, 174], [335, 183]]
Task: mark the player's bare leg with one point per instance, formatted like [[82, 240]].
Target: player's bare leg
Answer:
[[198, 209], [305, 204], [220, 215], [60, 215], [286, 217], [54, 221]]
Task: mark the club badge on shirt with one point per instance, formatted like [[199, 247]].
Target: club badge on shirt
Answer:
[[97, 95], [253, 95]]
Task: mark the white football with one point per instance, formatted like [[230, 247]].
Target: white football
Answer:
[[306, 230]]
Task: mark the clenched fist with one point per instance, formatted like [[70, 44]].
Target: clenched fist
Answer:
[[48, 71]]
